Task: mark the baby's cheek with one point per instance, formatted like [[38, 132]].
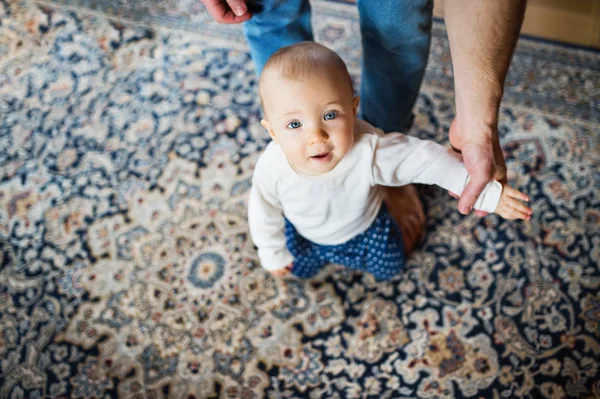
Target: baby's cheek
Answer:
[[345, 141], [300, 150]]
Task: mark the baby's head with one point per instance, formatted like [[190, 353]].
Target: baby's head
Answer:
[[309, 106]]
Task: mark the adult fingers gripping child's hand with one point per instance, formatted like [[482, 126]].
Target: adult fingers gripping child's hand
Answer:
[[479, 149], [510, 206]]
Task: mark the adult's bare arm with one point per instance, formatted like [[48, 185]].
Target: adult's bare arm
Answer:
[[482, 36], [228, 12]]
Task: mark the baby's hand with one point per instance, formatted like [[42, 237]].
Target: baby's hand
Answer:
[[282, 272], [510, 206]]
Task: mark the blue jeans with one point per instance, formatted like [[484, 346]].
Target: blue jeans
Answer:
[[395, 41]]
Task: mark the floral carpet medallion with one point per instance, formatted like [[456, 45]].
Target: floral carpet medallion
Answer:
[[126, 268]]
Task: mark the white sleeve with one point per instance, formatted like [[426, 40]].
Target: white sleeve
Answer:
[[265, 218], [399, 159]]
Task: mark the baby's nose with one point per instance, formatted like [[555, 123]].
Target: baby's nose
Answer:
[[318, 136]]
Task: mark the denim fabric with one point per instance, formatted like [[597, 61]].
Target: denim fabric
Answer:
[[395, 38], [276, 24]]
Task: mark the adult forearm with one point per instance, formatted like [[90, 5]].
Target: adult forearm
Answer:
[[483, 35]]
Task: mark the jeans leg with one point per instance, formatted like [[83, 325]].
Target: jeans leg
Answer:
[[395, 38], [276, 24]]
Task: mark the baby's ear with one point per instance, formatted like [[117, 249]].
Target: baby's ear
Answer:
[[355, 102], [265, 123]]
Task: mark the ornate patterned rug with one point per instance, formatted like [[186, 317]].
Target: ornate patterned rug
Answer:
[[126, 268]]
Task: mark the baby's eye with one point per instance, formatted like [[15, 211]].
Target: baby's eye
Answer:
[[294, 125], [330, 115]]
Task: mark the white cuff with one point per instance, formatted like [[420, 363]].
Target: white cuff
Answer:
[[490, 197]]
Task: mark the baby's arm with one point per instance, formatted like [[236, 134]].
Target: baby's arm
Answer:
[[266, 222], [399, 159]]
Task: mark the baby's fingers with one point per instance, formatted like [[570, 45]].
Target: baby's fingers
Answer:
[[511, 192], [516, 210], [280, 272], [513, 214], [521, 207], [283, 272]]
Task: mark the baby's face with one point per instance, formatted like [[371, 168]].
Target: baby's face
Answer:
[[311, 119]]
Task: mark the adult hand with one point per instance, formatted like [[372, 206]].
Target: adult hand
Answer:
[[482, 155], [228, 12], [482, 37]]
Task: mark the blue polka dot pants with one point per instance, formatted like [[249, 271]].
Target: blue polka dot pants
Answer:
[[379, 250]]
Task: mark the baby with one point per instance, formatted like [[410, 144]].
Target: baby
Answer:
[[317, 195]]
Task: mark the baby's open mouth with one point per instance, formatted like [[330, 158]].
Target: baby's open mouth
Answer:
[[321, 155]]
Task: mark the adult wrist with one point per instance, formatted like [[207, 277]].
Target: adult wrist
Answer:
[[478, 109]]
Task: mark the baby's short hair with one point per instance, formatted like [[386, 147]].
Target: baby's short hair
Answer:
[[305, 59]]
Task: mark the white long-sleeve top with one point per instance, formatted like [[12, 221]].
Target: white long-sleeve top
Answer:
[[334, 207]]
